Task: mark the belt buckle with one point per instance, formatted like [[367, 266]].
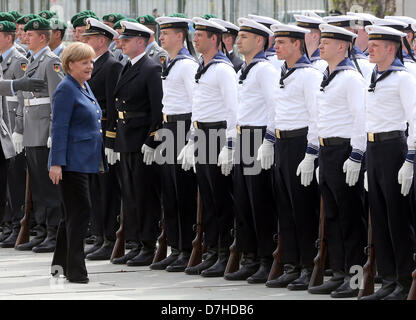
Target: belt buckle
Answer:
[[370, 136], [196, 124], [165, 118], [239, 129], [277, 133], [27, 102], [321, 142], [120, 115]]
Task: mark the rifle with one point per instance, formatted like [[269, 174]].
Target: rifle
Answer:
[[24, 233], [162, 247], [233, 263], [412, 292], [277, 266], [317, 277], [196, 255], [369, 267], [120, 245]]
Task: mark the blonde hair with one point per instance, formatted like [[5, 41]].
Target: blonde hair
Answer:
[[76, 51]]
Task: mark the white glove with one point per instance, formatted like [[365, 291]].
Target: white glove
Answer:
[[317, 174], [49, 142], [365, 181], [225, 160], [112, 156], [306, 168], [148, 154], [17, 139], [187, 156], [265, 154], [405, 177], [352, 170]]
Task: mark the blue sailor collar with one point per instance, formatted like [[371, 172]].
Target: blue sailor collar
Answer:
[[407, 57], [316, 55], [397, 65], [356, 51], [270, 52]]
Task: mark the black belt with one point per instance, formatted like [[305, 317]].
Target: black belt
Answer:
[[239, 128], [383, 136], [177, 117], [206, 125], [334, 141], [291, 133], [131, 114]]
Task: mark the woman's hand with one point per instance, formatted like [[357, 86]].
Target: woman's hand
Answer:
[[55, 174]]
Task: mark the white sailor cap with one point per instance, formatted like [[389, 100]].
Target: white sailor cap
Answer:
[[95, 27], [392, 23], [366, 17], [309, 20], [173, 22], [414, 27], [376, 32], [289, 31], [231, 28], [329, 31], [208, 25], [266, 21], [342, 21], [133, 29], [249, 25], [404, 19]]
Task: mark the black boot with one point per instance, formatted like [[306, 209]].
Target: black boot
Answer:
[[11, 239], [210, 258], [90, 239], [263, 272], [132, 244], [249, 265], [181, 263], [291, 273], [49, 244], [332, 284], [104, 253], [7, 231], [99, 241], [387, 287], [145, 257], [345, 290], [302, 282], [37, 240], [218, 269], [128, 256], [400, 293], [161, 265]]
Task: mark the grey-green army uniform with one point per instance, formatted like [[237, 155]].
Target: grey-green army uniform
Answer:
[[157, 53]]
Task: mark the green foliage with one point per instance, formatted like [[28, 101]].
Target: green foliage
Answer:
[[379, 8]]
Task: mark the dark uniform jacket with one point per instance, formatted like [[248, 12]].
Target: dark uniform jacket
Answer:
[[236, 61]]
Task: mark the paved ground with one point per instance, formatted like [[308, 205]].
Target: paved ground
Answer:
[[25, 275]]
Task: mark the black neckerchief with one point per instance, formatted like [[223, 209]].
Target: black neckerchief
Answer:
[[183, 54], [303, 62], [345, 64], [395, 66], [218, 58], [245, 69]]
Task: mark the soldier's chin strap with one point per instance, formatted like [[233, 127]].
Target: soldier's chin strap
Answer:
[[399, 53], [266, 45], [305, 49], [190, 46], [352, 55], [224, 49], [409, 50]]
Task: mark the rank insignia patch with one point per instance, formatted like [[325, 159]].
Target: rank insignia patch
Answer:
[[23, 66], [57, 67], [162, 59]]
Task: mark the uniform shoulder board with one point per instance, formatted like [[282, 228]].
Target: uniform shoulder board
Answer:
[[57, 67], [23, 66]]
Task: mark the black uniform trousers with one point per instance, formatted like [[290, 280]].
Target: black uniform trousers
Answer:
[[76, 208], [45, 195], [215, 191], [141, 194], [255, 204], [179, 191], [343, 208], [3, 183], [391, 217], [297, 205]]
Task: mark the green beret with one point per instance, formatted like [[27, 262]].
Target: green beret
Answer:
[[5, 16], [7, 26], [81, 21], [147, 19], [208, 16], [38, 24], [26, 18], [85, 12], [46, 14], [118, 25], [177, 15], [15, 14], [57, 24], [113, 17]]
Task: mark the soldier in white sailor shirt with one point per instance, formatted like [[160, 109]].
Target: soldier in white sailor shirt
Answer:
[[341, 133], [256, 221], [390, 104], [179, 187], [214, 115]]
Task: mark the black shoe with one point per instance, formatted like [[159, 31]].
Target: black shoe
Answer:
[[91, 239], [249, 265], [180, 264], [144, 258], [104, 253], [302, 282], [387, 287], [161, 265], [328, 273], [11, 240], [400, 293], [209, 261], [99, 241], [6, 232], [29, 245], [218, 269], [290, 274], [332, 284], [262, 273], [49, 244], [131, 244], [345, 290], [84, 280], [128, 256]]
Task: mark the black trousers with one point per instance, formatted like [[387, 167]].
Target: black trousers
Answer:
[[255, 206], [45, 195], [215, 192], [106, 201], [141, 194], [3, 183], [297, 204], [69, 251], [344, 209], [391, 217], [179, 189]]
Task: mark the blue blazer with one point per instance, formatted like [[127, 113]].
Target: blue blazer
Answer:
[[77, 143]]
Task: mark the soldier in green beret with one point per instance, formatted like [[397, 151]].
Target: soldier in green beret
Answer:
[[46, 14], [153, 50], [79, 22], [20, 33], [58, 32], [5, 16], [15, 14], [208, 16], [112, 18]]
